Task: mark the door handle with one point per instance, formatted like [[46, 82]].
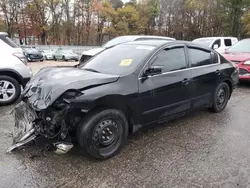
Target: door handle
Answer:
[[218, 72], [185, 82]]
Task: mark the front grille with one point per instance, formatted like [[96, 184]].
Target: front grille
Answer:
[[243, 71]]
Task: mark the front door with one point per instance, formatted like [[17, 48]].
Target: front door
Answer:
[[167, 93]]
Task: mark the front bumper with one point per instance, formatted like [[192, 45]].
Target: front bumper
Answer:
[[24, 130], [48, 57], [28, 126]]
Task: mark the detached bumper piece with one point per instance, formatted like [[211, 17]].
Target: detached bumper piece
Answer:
[[24, 130]]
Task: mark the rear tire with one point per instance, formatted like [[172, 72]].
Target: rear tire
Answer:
[[103, 133], [13, 86], [220, 98]]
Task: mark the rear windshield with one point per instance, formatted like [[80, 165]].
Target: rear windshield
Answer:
[[8, 41]]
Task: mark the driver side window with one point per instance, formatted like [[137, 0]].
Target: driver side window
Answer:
[[172, 59]]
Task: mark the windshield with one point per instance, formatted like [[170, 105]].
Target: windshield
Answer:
[[118, 40], [203, 42], [119, 60], [242, 46]]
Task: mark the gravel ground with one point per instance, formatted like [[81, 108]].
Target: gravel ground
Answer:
[[199, 150]]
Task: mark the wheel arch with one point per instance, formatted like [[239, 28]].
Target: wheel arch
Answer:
[[118, 103], [230, 84], [13, 74]]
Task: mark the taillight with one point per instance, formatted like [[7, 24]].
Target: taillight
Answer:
[[20, 56]]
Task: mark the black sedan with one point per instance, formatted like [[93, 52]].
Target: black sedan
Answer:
[[120, 90], [32, 54]]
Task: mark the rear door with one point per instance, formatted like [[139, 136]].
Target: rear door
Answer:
[[205, 70]]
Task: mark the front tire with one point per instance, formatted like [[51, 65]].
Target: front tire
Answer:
[[103, 133], [10, 90], [220, 98]]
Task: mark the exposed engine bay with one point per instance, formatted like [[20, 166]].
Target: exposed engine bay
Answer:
[[56, 124]]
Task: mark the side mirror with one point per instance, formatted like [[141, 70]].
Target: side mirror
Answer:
[[154, 70], [216, 46]]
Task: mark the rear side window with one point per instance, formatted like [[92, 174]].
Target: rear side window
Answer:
[[8, 41], [172, 59], [199, 57], [228, 42]]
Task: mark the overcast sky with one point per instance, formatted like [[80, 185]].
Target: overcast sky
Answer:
[[125, 1]]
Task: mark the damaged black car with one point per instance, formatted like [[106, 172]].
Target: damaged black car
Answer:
[[119, 91]]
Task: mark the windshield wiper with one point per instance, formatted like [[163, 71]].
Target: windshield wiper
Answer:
[[92, 70]]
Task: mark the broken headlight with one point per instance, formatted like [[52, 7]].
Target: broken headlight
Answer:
[[71, 94], [66, 97]]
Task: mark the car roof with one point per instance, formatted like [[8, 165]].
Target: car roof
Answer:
[[160, 43], [216, 38], [134, 37]]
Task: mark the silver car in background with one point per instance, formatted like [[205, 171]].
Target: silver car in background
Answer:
[[65, 55], [48, 54]]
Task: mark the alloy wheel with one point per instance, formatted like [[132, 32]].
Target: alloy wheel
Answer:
[[7, 90]]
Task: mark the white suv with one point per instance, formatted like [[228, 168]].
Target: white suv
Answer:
[[220, 44], [14, 72]]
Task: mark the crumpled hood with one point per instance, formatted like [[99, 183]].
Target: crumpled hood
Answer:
[[240, 57], [50, 83]]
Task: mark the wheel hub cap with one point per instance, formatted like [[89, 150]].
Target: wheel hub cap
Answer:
[[105, 133], [7, 90], [221, 96]]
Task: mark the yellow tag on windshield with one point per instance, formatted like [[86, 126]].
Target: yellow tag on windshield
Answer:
[[126, 62]]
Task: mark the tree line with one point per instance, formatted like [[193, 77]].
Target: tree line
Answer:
[[90, 22]]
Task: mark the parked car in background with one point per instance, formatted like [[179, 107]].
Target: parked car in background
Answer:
[[220, 44], [14, 72], [65, 55], [118, 40], [32, 54], [240, 55], [48, 54], [120, 90]]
